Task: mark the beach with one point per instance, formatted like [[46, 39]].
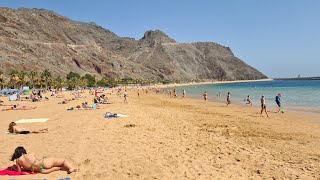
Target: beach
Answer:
[[167, 138]]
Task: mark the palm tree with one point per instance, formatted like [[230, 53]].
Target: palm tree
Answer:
[[39, 82], [22, 78], [82, 82], [73, 82], [59, 82], [33, 77], [2, 81], [46, 75], [14, 78]]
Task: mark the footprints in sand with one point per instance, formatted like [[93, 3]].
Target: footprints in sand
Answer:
[[219, 129]]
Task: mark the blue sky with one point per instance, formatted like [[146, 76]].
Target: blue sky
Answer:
[[281, 38]]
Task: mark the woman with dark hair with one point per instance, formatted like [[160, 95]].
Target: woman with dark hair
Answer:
[[44, 165], [15, 129]]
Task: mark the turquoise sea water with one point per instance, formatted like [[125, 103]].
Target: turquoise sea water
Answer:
[[296, 94]]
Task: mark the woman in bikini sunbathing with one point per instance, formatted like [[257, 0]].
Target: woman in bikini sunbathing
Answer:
[[15, 129], [45, 165]]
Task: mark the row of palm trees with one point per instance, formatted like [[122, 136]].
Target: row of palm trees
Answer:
[[19, 79]]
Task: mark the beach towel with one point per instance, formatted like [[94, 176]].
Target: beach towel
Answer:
[[32, 120], [122, 115], [94, 106], [10, 172], [114, 115]]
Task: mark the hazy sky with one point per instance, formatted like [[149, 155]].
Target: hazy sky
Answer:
[[281, 38]]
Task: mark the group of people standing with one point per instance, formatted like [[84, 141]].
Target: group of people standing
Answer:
[[249, 102]]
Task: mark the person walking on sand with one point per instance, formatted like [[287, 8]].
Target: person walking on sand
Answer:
[[278, 101], [184, 93], [263, 106], [249, 100], [138, 92], [228, 98], [125, 96], [205, 96], [174, 93]]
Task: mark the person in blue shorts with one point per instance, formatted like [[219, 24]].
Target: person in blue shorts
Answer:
[[278, 101]]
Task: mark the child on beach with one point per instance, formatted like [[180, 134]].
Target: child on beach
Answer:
[[249, 100], [15, 129], [205, 96], [44, 165], [263, 106]]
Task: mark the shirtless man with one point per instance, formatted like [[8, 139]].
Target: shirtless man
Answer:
[[174, 93], [184, 93], [263, 106]]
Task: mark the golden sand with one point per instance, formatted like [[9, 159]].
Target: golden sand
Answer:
[[168, 138]]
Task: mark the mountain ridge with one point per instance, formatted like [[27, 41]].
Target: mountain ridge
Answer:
[[39, 39]]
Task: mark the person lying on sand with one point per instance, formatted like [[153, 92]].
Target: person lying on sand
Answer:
[[65, 101], [84, 106], [43, 165], [16, 107], [2, 104], [15, 129]]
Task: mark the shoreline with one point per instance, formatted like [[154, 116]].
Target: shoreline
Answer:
[[292, 108], [207, 82], [294, 111]]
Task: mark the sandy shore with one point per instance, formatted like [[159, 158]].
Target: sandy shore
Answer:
[[168, 138]]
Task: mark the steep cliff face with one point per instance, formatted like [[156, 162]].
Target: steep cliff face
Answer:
[[39, 39]]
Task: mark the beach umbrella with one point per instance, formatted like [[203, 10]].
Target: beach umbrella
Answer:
[[9, 90]]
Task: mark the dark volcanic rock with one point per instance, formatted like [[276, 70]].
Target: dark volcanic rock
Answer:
[[39, 39]]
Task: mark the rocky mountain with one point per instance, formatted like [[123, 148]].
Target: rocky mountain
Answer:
[[38, 39]]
